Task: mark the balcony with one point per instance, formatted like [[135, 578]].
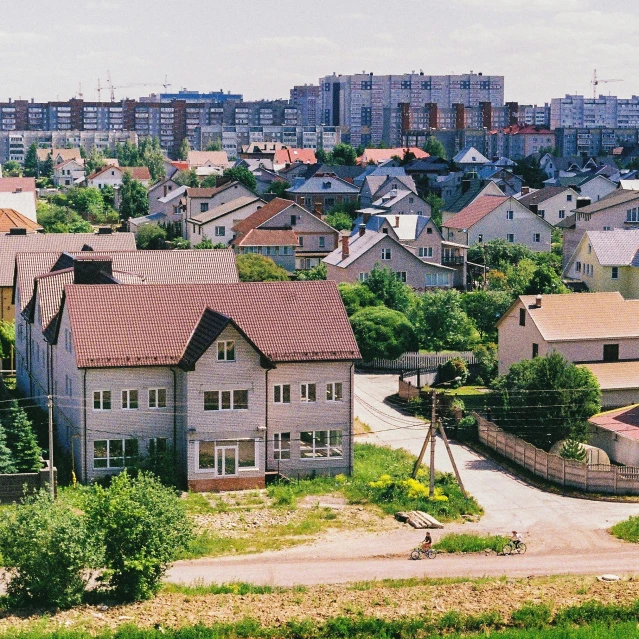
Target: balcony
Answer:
[[447, 260]]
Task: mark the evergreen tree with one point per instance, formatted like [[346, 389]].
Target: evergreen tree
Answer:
[[185, 147], [31, 162], [134, 200], [22, 441], [434, 148], [46, 167], [6, 458], [573, 449]]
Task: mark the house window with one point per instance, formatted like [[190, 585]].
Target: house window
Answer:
[[429, 231], [535, 350], [226, 457], [220, 231], [568, 198], [362, 277], [68, 385], [114, 453], [293, 220], [320, 443], [157, 397], [426, 251], [322, 242], [226, 351], [386, 254], [607, 228], [282, 394], [281, 446], [614, 274], [158, 445], [329, 202], [578, 267], [334, 392], [542, 214], [300, 240], [611, 352], [308, 392], [226, 400], [411, 200], [204, 207], [480, 238], [510, 237], [129, 399], [308, 203], [102, 400], [401, 276], [562, 214], [522, 317], [589, 249], [536, 237], [510, 215], [385, 231]]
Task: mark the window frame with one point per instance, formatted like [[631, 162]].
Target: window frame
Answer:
[[224, 343], [279, 449], [222, 229], [279, 389], [316, 450], [123, 441], [305, 394], [102, 400], [509, 236], [614, 273], [387, 254], [157, 404], [223, 399], [130, 399], [332, 394]]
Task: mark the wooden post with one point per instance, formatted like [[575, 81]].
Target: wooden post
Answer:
[[422, 452], [429, 437], [452, 459], [433, 433]]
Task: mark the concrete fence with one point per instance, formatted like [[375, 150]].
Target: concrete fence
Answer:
[[599, 478], [13, 487]]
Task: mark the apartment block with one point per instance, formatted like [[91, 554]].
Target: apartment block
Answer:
[[306, 99], [575, 111]]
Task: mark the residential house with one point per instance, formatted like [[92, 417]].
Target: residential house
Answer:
[[354, 260], [552, 203], [59, 155], [68, 173], [379, 156], [286, 156], [592, 187], [11, 244], [239, 385], [18, 185], [376, 186], [40, 280], [607, 261], [12, 222], [467, 191], [492, 217], [373, 170], [212, 159], [20, 195], [619, 210], [110, 175], [321, 194], [600, 330], [216, 223], [347, 173], [200, 200], [160, 190], [470, 159], [402, 202], [505, 179], [428, 167], [276, 244], [617, 432], [315, 238], [518, 142]]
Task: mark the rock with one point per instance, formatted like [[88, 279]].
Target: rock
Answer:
[[608, 578]]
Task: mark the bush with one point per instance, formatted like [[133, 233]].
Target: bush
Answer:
[[456, 543], [142, 526], [627, 530], [150, 237], [452, 369], [531, 615], [46, 549]]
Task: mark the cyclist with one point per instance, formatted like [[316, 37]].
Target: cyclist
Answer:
[[427, 543], [516, 539]]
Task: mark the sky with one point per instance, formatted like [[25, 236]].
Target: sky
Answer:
[[544, 48]]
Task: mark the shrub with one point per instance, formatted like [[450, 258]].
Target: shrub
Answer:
[[627, 530], [456, 543], [142, 526], [452, 369], [46, 549], [531, 615]]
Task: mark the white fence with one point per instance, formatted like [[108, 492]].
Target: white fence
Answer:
[[413, 361]]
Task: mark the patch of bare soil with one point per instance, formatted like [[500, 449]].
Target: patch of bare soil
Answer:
[[321, 602]]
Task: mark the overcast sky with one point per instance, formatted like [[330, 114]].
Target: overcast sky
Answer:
[[544, 48]]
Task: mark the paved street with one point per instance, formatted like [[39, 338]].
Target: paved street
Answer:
[[564, 534]]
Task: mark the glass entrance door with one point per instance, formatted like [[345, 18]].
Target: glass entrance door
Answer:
[[226, 460]]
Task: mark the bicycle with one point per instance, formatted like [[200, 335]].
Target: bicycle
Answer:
[[418, 552], [518, 547]]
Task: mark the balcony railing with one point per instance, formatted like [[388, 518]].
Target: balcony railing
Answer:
[[452, 259]]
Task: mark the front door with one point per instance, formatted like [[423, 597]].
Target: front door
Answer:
[[226, 460]]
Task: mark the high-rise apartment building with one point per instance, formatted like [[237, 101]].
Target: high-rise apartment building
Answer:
[[609, 111], [306, 99], [373, 109]]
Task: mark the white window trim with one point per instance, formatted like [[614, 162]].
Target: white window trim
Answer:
[[333, 394], [226, 342], [128, 392], [305, 400], [277, 446], [101, 409], [328, 448], [281, 387], [219, 401], [213, 471], [157, 398], [108, 457]]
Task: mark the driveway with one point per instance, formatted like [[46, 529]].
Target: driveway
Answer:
[[564, 534]]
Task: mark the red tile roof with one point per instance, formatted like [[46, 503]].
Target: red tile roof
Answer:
[[210, 191], [275, 206], [475, 211], [624, 421], [13, 184], [289, 156], [379, 155], [133, 325], [137, 172], [267, 237], [11, 219]]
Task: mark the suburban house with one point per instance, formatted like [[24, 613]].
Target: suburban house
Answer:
[[470, 159], [13, 243], [607, 261], [216, 223], [617, 432], [593, 187], [315, 238], [619, 210], [353, 261], [20, 195], [505, 179], [200, 200], [286, 156], [468, 190], [598, 330], [160, 190], [110, 175], [321, 193], [552, 203], [237, 385], [68, 173], [492, 217], [379, 156], [58, 155], [376, 186], [277, 244], [13, 222], [40, 281], [402, 202], [212, 159]]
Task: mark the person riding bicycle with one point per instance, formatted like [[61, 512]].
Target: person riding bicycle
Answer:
[[427, 543], [516, 539]]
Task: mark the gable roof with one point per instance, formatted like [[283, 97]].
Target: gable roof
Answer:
[[410, 226], [541, 195], [267, 237], [137, 172], [132, 325], [582, 316], [10, 219], [225, 209], [619, 196], [11, 245], [200, 158], [210, 192], [377, 181], [263, 214], [475, 212], [392, 197], [381, 155], [326, 184], [13, 184], [618, 247], [461, 199], [348, 173], [291, 155], [470, 155], [65, 154]]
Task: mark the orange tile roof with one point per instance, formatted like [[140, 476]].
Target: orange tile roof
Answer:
[[475, 211], [267, 237], [137, 172], [11, 219], [291, 155], [624, 421], [13, 184], [379, 155], [275, 206]]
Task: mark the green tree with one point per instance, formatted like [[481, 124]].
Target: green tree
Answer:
[[187, 178], [181, 244], [153, 159], [22, 441], [128, 154], [252, 267], [243, 175], [321, 156], [487, 362], [7, 466], [150, 237], [95, 161], [531, 172], [485, 308], [339, 220], [214, 146], [545, 280], [316, 273], [88, 201], [46, 167], [279, 187], [383, 332], [547, 399], [59, 219], [356, 297], [498, 253], [436, 204], [7, 338], [207, 243], [209, 182], [108, 196], [434, 147], [134, 200], [441, 322], [342, 154], [184, 149], [573, 449], [31, 164], [11, 169], [142, 526], [47, 551], [384, 285]]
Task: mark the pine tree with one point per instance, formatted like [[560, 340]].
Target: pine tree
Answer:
[[573, 449], [31, 161], [6, 458], [22, 441]]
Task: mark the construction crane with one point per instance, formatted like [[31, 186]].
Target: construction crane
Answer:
[[596, 81], [166, 83]]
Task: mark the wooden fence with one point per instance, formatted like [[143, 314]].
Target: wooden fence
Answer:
[[411, 361], [597, 478]]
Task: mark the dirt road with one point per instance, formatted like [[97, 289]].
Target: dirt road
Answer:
[[564, 534]]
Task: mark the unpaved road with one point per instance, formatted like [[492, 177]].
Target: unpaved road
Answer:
[[564, 534]]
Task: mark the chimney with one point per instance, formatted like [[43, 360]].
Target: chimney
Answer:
[[105, 230], [534, 208], [362, 229], [366, 217], [345, 251], [583, 201], [465, 184], [90, 269], [538, 301], [397, 221], [18, 189], [525, 190]]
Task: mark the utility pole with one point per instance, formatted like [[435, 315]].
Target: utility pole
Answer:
[[433, 432], [51, 473], [422, 452], [452, 459]]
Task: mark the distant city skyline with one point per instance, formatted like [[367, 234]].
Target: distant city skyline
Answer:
[[262, 50]]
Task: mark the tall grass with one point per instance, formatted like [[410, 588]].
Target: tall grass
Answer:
[[457, 543], [627, 530]]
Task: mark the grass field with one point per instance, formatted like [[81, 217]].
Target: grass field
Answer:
[[458, 543], [627, 530]]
